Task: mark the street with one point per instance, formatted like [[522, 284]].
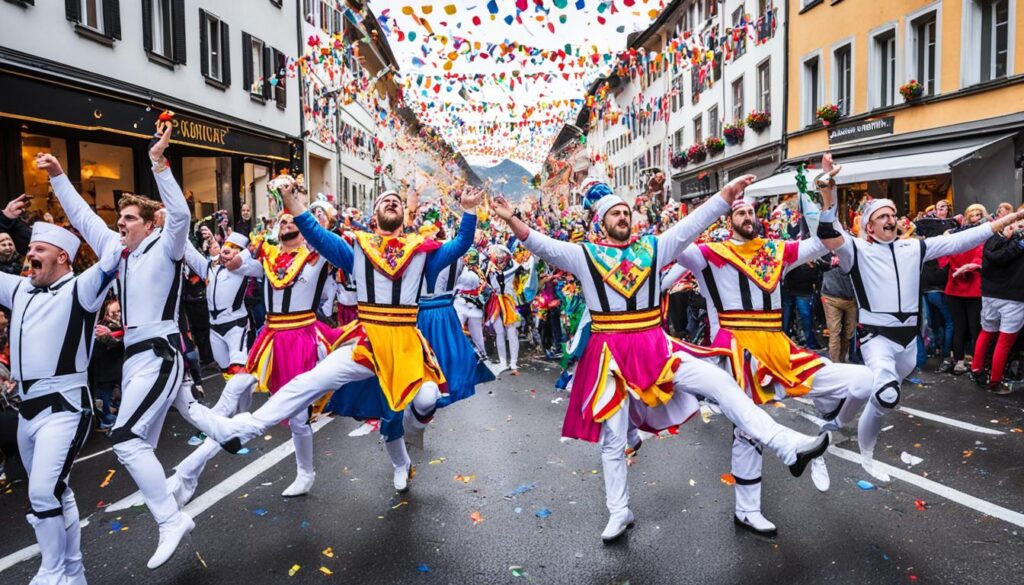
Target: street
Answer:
[[497, 498]]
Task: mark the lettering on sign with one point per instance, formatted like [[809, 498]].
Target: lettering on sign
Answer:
[[861, 130], [193, 131]]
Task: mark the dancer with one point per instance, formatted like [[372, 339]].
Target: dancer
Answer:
[[502, 313], [886, 273], [149, 288], [54, 308], [388, 268], [469, 302], [740, 280], [631, 370]]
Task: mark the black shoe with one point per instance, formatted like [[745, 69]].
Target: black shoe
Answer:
[[979, 378], [945, 367], [232, 446], [1000, 388], [805, 457]]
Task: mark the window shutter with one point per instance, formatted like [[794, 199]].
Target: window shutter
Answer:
[[247, 73], [225, 45], [204, 49], [147, 24], [268, 70], [112, 18], [178, 31], [281, 71], [73, 10]]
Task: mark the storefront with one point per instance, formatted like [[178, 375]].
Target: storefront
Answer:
[[693, 187], [101, 139]]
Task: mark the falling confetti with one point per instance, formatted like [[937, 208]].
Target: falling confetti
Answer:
[[110, 475]]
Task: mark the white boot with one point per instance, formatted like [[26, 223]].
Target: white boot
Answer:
[[797, 450], [402, 474], [618, 524], [819, 474], [221, 428], [755, 522], [171, 535], [182, 493], [867, 461], [74, 570], [301, 486], [400, 461], [51, 536]]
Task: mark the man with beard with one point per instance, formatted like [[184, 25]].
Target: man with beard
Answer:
[[149, 288], [740, 279], [886, 273], [54, 308], [388, 267], [631, 372]]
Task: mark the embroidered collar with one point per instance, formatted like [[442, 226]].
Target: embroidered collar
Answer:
[[391, 255], [282, 268], [625, 269]]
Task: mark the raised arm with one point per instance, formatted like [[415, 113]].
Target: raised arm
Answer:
[[672, 242], [453, 249], [329, 244], [95, 231], [692, 259], [949, 244], [176, 224], [196, 261], [561, 255]]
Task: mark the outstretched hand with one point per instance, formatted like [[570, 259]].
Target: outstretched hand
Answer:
[[470, 199], [1010, 218], [156, 153], [734, 188], [502, 208]]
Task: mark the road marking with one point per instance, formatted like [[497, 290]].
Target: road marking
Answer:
[[201, 503], [96, 454], [933, 417], [956, 496], [211, 376]]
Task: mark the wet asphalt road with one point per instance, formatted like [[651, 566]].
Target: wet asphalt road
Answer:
[[353, 528]]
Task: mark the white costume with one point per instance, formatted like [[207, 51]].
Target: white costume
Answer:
[[470, 309]]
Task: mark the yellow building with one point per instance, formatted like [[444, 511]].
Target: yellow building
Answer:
[[957, 134]]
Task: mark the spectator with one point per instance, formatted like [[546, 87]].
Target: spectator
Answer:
[[963, 292], [797, 293], [105, 365], [1004, 208], [840, 305], [10, 260], [243, 225], [1002, 305], [938, 320]]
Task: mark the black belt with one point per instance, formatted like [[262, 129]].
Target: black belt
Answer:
[[165, 347], [224, 328], [31, 407], [900, 335]]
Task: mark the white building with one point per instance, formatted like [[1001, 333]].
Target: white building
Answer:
[[86, 79]]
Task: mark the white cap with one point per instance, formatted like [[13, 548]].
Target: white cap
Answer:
[[496, 249], [605, 204], [238, 240], [870, 210], [57, 236], [381, 197]]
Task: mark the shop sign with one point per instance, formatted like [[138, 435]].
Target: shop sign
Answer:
[[702, 183], [861, 130]]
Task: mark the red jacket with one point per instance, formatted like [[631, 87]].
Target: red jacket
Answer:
[[967, 284]]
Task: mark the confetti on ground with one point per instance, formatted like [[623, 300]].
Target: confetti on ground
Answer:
[[304, 525], [557, 400], [517, 510], [968, 453], [866, 485], [116, 526], [400, 504], [543, 513], [201, 561], [728, 479], [778, 404], [521, 490], [465, 478], [260, 512], [110, 475], [423, 568], [293, 570], [328, 552], [692, 483], [888, 428], [1016, 430], [326, 571], [438, 460], [917, 381], [101, 504], [267, 438], [909, 459], [921, 505], [244, 451], [520, 572], [476, 517]]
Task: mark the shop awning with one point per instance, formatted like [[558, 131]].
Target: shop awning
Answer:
[[899, 166]]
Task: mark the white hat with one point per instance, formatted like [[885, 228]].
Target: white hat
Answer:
[[870, 210], [239, 240], [605, 204], [57, 236], [381, 197], [496, 249]]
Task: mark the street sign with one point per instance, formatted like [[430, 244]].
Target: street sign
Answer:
[[861, 130]]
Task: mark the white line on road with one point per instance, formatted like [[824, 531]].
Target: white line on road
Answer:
[[938, 489], [200, 504], [96, 454], [933, 417]]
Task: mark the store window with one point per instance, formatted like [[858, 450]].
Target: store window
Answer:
[[254, 190], [924, 31], [107, 172], [37, 183], [207, 184]]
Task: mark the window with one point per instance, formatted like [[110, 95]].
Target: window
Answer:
[[253, 60], [163, 29], [656, 156], [325, 19], [678, 140], [764, 86], [740, 30], [280, 72], [883, 78], [309, 11], [698, 130], [812, 89], [842, 59], [737, 99], [214, 37], [987, 36], [714, 122], [925, 38], [95, 19]]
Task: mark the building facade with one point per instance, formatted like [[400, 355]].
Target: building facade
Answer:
[[91, 92], [956, 133]]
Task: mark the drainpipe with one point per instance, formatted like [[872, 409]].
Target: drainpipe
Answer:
[[784, 142]]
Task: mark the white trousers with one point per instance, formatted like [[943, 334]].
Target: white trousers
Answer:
[[511, 333], [230, 348], [472, 319], [235, 398], [890, 363], [1001, 315], [48, 445], [695, 377]]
